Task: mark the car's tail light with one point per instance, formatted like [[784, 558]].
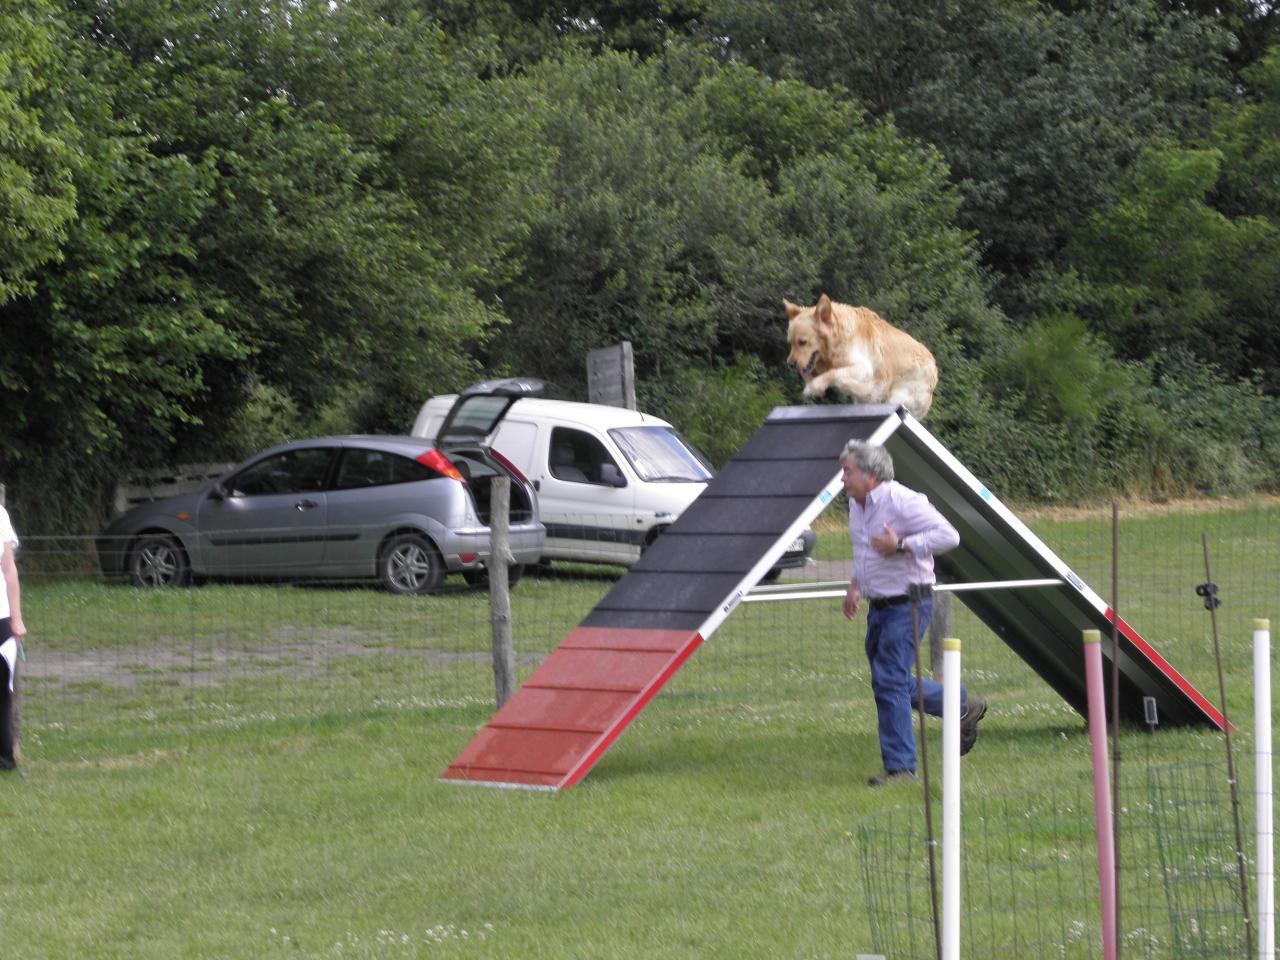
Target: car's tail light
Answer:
[[438, 462]]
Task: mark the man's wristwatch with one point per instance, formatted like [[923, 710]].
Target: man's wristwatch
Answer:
[[902, 546]]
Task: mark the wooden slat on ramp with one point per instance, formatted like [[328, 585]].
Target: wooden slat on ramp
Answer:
[[556, 726]]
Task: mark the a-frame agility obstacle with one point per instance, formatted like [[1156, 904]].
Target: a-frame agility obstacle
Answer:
[[570, 711]]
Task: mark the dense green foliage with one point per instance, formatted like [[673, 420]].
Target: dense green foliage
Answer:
[[231, 223]]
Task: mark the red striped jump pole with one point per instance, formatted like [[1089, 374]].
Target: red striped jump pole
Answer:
[[1101, 790]]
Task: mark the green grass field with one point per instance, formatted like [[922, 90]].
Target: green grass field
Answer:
[[251, 771]]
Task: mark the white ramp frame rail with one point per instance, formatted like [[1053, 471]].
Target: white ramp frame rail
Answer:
[[827, 589]]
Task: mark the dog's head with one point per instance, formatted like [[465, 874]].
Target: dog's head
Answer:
[[810, 332]]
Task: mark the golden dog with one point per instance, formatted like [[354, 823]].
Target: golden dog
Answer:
[[858, 353]]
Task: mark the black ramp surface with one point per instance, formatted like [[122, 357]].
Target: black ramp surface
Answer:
[[721, 517], [644, 590], [701, 560], [763, 479], [712, 553]]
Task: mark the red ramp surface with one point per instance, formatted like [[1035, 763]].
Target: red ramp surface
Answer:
[[556, 726]]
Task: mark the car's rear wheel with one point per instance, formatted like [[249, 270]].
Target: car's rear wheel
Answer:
[[158, 560], [409, 564], [480, 578]]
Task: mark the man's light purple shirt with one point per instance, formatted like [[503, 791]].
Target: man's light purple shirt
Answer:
[[925, 531]]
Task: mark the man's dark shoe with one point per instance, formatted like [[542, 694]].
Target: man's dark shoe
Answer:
[[975, 709], [891, 776]]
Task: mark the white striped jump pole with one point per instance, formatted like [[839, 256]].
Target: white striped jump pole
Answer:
[[950, 799], [1262, 721]]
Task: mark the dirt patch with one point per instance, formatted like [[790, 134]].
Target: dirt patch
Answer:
[[295, 652]]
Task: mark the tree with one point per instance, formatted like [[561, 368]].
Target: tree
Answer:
[[1035, 112], [691, 197], [248, 223], [530, 31], [369, 183], [105, 343], [1162, 268], [37, 166]]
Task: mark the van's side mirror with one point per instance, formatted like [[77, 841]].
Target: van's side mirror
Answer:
[[611, 476], [218, 492]]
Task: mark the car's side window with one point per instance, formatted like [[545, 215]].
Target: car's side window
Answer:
[[294, 471], [577, 456], [376, 468]]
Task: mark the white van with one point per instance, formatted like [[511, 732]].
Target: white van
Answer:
[[608, 479]]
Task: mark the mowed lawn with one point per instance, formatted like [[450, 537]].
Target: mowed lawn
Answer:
[[251, 771]]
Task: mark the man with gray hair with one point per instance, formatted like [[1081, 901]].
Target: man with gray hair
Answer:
[[895, 533]]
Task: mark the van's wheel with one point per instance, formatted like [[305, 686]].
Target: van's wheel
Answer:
[[409, 564], [158, 560], [480, 578]]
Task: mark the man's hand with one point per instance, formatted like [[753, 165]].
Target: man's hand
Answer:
[[886, 543], [852, 598]]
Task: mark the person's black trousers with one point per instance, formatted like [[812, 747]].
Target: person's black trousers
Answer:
[[7, 738]]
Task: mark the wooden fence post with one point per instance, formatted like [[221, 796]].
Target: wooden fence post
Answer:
[[939, 630], [504, 665]]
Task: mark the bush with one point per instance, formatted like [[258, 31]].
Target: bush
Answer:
[[717, 408]]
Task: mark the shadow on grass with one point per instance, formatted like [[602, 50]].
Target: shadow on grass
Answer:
[[564, 570]]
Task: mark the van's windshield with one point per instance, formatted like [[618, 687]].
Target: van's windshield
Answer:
[[662, 455]]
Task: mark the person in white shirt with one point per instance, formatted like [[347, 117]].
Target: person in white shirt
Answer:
[[11, 626], [895, 533]]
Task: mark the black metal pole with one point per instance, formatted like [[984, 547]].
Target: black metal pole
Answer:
[[1210, 593]]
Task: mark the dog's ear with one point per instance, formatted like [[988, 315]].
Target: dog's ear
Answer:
[[823, 311], [792, 309]]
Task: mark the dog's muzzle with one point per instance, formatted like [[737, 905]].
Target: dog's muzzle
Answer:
[[807, 369]]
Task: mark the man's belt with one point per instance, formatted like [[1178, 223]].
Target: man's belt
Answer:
[[879, 603]]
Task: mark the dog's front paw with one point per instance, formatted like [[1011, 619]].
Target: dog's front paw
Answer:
[[815, 388]]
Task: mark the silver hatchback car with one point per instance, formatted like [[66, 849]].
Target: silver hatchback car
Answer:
[[401, 509]]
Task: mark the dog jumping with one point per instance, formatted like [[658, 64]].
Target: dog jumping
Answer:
[[859, 354]]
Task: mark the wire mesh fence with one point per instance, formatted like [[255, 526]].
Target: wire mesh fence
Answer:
[[1030, 872], [308, 647], [115, 671]]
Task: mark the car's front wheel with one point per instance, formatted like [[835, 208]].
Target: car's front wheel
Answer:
[[158, 560], [409, 564]]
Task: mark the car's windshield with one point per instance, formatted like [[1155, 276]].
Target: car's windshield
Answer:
[[660, 454]]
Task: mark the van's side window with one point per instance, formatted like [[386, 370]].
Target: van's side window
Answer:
[[577, 456]]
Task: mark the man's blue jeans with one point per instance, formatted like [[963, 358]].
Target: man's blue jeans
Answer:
[[891, 651]]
